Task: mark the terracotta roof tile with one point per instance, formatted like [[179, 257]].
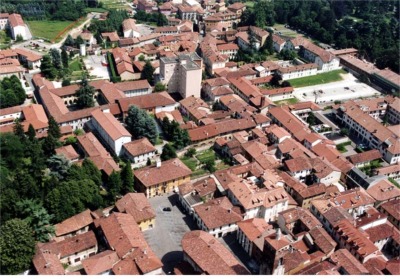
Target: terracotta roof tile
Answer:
[[102, 262], [137, 205]]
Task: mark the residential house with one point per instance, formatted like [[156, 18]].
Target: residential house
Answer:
[[139, 151], [74, 225], [218, 217], [207, 255], [195, 193], [163, 178], [137, 205], [130, 29], [101, 263]]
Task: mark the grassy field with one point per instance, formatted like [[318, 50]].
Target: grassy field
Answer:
[[114, 4], [49, 30], [280, 29], [96, 10], [75, 65], [191, 163], [318, 79], [206, 155], [290, 101]]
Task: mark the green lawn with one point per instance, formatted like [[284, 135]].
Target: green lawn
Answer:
[[205, 155], [290, 101], [191, 163], [318, 79], [114, 4], [75, 65]]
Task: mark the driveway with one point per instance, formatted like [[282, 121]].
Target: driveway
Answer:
[[93, 64], [166, 236]]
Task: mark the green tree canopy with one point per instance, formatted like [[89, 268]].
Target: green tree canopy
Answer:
[[127, 179], [17, 246], [159, 87], [148, 71], [168, 152], [141, 125], [47, 68], [114, 186], [85, 94], [91, 171]]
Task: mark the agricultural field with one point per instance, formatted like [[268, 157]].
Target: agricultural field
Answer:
[[51, 30]]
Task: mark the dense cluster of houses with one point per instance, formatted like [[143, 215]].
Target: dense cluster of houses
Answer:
[[295, 204]]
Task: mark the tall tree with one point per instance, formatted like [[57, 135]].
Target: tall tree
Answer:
[[47, 68], [59, 166], [54, 129], [19, 130], [85, 94], [64, 58], [91, 171], [114, 185], [140, 124], [49, 145], [31, 132], [127, 178], [56, 58], [148, 72], [69, 41], [269, 44], [17, 246], [168, 152]]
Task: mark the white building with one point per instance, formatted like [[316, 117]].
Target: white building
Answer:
[[130, 29], [110, 130], [139, 151], [18, 27], [218, 217]]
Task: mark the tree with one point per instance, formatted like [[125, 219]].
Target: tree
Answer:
[[19, 38], [56, 58], [85, 94], [311, 119], [161, 20], [54, 129], [168, 152], [141, 125], [66, 82], [269, 44], [64, 58], [17, 246], [148, 72], [174, 133], [69, 41], [191, 152], [252, 40], [58, 166], [33, 212], [91, 171], [47, 68], [159, 87], [79, 41], [31, 133], [127, 179], [210, 165], [276, 80], [49, 145], [114, 186], [18, 130]]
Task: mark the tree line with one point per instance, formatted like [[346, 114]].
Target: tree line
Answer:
[[370, 26]]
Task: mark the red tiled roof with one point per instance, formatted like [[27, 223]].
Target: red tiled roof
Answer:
[[110, 125], [137, 205], [97, 264], [210, 255], [16, 20]]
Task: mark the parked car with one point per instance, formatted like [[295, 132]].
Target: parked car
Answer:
[[167, 209]]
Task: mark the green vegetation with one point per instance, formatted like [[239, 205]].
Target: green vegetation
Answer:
[[157, 19], [11, 92], [113, 4], [113, 69], [342, 146], [168, 152], [75, 65], [191, 163], [173, 133], [206, 155], [51, 29], [140, 124], [95, 10], [369, 168], [290, 101], [318, 79]]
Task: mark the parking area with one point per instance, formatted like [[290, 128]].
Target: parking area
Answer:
[[346, 89], [170, 226], [145, 29], [93, 64]]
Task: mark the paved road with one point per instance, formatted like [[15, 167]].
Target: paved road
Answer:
[[165, 238]]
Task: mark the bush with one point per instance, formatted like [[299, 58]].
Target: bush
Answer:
[[191, 152]]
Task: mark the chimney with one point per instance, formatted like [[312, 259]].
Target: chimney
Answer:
[[158, 163]]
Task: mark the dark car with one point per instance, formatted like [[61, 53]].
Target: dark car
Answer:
[[166, 209]]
